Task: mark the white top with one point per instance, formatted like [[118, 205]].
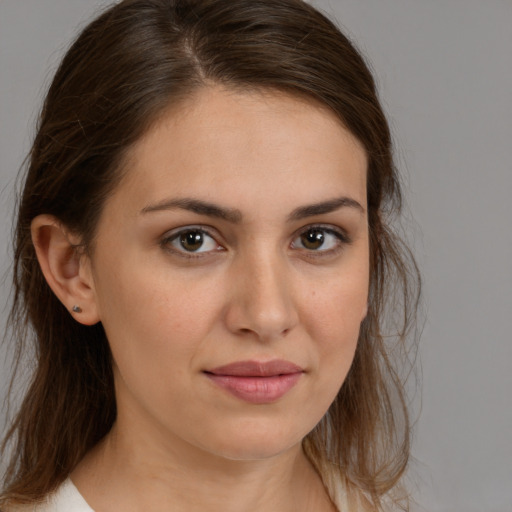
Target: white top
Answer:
[[67, 498]]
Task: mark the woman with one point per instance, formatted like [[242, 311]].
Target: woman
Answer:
[[203, 253]]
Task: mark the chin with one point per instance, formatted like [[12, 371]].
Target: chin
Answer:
[[255, 442], [257, 451]]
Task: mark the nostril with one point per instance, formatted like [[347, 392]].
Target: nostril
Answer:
[[245, 330]]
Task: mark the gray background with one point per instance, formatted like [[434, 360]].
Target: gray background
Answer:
[[445, 73]]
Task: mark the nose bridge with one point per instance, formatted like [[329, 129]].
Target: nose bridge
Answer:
[[262, 302]]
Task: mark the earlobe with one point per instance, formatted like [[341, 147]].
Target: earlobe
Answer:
[[66, 270]]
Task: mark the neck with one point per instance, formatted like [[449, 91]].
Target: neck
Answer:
[[123, 473]]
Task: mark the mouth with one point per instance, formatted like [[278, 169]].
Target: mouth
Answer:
[[257, 382]]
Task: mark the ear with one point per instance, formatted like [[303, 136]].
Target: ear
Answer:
[[66, 269]]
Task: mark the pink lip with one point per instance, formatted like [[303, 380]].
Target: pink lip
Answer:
[[257, 382]]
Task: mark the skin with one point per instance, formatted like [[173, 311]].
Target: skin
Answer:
[[253, 291]]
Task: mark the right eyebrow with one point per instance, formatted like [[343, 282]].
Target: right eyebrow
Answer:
[[197, 206]]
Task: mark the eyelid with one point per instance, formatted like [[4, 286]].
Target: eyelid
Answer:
[[338, 232], [171, 235]]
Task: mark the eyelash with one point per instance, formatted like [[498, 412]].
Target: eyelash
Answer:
[[342, 240], [167, 240]]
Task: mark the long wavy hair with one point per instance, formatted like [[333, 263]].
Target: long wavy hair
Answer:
[[122, 72]]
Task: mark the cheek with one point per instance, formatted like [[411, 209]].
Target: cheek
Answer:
[[155, 320], [337, 309], [157, 329], [334, 319]]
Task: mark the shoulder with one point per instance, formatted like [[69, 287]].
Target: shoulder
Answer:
[[65, 499]]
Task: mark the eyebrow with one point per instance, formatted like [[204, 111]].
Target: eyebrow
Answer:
[[325, 207], [197, 206], [235, 216]]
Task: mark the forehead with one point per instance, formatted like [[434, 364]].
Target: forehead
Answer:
[[238, 146]]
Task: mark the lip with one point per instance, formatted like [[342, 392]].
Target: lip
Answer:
[[255, 381]]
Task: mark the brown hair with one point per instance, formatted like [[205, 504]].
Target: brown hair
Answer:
[[121, 73]]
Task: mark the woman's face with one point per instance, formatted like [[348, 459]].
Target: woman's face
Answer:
[[230, 272]]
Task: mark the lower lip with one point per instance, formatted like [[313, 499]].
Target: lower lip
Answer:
[[257, 390]]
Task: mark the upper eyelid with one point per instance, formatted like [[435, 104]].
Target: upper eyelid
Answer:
[[325, 227], [172, 233]]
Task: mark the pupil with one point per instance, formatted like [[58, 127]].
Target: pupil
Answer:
[[191, 240], [313, 239]]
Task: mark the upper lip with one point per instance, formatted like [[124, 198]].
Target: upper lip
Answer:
[[257, 368]]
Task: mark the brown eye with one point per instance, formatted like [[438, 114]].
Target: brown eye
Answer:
[[320, 240], [313, 239], [191, 240]]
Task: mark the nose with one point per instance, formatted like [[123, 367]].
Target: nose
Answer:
[[261, 301]]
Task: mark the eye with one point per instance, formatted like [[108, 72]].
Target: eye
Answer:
[[191, 240], [320, 239]]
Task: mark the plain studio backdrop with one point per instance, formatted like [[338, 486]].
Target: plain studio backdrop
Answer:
[[444, 70]]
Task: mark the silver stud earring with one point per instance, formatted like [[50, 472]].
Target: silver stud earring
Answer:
[[77, 309]]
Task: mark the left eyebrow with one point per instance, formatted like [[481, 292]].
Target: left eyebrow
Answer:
[[324, 207]]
